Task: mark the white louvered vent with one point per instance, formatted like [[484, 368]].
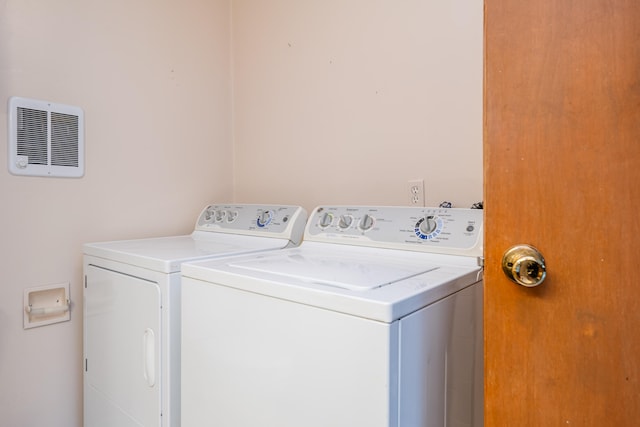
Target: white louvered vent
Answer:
[[45, 139]]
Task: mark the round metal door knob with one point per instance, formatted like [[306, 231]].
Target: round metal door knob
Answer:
[[524, 265]]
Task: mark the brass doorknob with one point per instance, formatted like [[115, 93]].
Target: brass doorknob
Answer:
[[524, 265]]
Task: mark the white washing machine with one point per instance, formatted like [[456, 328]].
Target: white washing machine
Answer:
[[132, 294], [375, 320]]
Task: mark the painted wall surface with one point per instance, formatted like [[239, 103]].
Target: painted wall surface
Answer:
[[280, 101], [345, 101], [153, 78]]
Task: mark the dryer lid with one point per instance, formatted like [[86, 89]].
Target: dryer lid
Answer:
[[166, 254]]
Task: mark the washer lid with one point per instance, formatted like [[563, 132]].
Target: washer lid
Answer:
[[358, 273], [373, 283]]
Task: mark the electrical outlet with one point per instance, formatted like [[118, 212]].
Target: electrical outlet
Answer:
[[416, 192]]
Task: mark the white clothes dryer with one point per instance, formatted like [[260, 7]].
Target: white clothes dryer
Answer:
[[132, 292], [375, 320]]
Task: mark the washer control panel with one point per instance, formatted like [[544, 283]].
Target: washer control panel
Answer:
[[252, 219], [438, 230]]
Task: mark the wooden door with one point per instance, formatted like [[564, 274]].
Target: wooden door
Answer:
[[562, 173]]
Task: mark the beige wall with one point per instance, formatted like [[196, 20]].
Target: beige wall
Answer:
[[153, 78], [345, 101], [325, 102]]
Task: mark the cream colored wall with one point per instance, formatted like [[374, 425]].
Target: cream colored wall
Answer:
[[345, 101], [333, 102], [153, 78]]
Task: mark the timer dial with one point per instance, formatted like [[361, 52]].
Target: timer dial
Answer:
[[264, 218], [428, 227], [428, 224]]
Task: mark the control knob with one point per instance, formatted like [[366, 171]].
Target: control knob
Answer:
[[209, 213], [232, 215], [325, 220], [366, 223], [345, 221], [220, 215], [264, 218], [428, 225]]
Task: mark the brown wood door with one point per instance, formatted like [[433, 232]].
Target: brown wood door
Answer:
[[562, 173]]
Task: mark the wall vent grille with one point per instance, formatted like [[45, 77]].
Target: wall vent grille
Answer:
[[45, 139]]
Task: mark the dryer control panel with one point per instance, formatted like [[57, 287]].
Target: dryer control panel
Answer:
[[437, 230], [281, 221]]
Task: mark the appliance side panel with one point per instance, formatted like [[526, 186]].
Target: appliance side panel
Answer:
[[122, 349], [171, 317], [478, 352], [250, 359], [441, 362]]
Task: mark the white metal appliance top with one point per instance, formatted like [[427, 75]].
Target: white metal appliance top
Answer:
[[379, 263], [220, 230]]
